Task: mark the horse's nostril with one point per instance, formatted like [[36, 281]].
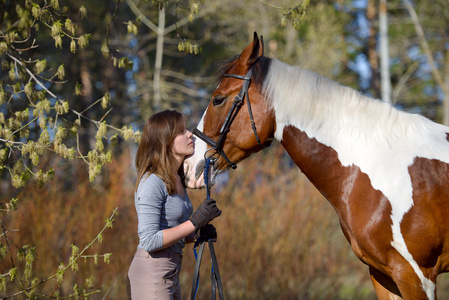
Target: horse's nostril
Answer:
[[199, 169]]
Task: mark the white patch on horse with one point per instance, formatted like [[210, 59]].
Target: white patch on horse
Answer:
[[381, 140], [200, 145], [191, 163]]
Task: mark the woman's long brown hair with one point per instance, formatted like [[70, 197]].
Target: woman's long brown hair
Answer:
[[154, 154]]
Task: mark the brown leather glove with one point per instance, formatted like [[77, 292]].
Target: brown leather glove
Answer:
[[207, 211]]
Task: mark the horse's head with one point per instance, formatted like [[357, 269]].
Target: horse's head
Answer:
[[226, 125]]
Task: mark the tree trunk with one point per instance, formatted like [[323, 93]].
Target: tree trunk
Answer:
[[445, 92], [158, 61], [373, 58], [385, 82], [86, 141], [442, 82]]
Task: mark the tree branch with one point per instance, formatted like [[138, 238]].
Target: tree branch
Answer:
[[72, 261], [425, 45], [186, 90], [139, 14], [397, 89], [185, 20], [182, 76]]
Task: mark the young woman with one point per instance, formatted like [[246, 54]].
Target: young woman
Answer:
[[164, 210]]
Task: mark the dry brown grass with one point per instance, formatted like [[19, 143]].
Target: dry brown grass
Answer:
[[278, 238]]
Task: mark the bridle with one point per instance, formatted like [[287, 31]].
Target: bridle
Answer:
[[236, 105]]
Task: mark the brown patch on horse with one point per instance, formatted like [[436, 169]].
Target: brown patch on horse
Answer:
[[425, 226], [447, 137], [364, 212]]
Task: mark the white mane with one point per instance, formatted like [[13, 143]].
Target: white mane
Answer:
[[320, 106]]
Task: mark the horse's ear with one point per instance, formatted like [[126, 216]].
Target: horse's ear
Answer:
[[251, 52]]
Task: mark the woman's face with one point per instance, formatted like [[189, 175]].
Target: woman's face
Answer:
[[183, 145]]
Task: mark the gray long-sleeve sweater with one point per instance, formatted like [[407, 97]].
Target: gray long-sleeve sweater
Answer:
[[156, 211]]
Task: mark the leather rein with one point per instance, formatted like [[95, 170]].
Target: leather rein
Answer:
[[236, 105]]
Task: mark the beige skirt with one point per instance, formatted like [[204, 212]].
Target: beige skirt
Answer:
[[155, 276]]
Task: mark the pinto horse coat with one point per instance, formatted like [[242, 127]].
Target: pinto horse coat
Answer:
[[385, 172]]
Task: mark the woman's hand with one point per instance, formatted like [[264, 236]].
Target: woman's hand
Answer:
[[205, 213], [206, 233]]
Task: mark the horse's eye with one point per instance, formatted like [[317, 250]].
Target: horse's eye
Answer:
[[218, 100]]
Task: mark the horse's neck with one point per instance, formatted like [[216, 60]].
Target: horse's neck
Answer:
[[318, 162]]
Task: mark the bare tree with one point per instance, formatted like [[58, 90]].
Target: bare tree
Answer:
[[385, 82], [442, 81]]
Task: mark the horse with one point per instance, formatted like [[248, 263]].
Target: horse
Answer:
[[384, 171]]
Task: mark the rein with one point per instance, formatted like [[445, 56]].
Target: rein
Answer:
[[236, 105], [215, 274]]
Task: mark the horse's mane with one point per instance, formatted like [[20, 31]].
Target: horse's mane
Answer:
[[225, 67], [314, 103]]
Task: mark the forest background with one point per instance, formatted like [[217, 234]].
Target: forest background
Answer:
[[78, 80]]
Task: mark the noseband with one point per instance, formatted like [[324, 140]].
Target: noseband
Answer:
[[238, 103]]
